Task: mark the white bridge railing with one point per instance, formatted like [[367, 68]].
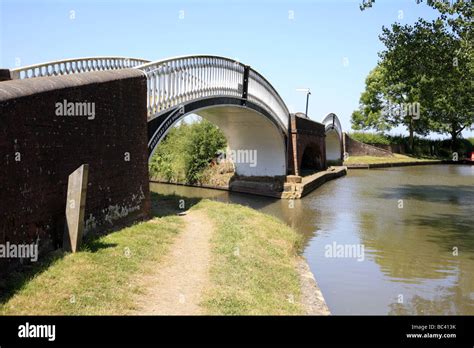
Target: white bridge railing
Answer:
[[176, 81], [73, 66], [331, 121], [261, 92]]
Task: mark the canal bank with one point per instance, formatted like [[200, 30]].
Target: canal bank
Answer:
[[405, 164], [409, 220], [194, 257], [284, 187]]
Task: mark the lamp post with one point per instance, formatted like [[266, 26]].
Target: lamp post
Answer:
[[308, 93]]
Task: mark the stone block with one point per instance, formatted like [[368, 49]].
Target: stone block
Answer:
[[75, 207]]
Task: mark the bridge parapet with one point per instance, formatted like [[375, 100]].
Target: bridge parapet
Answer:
[[179, 80], [176, 81], [74, 66], [262, 93], [331, 122], [334, 139]]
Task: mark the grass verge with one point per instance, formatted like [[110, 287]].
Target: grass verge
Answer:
[[373, 159], [97, 280], [253, 267]]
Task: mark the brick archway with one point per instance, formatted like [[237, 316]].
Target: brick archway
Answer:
[[307, 146], [311, 158]]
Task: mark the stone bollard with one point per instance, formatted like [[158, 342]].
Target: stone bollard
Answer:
[[75, 206]]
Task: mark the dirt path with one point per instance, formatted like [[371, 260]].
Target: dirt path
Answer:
[[176, 287]]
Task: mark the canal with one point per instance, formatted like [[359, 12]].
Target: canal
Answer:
[[413, 229]]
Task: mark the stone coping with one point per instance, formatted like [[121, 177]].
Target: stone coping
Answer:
[[13, 89]]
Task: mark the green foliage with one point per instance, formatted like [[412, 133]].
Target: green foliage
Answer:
[[204, 142], [370, 138], [169, 161], [427, 64], [430, 63], [369, 115], [440, 148], [186, 151]]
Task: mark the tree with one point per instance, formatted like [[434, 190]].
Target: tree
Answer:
[[430, 63], [385, 105], [186, 151], [204, 142], [423, 62]]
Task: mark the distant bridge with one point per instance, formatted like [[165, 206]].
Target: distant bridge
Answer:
[[232, 95]]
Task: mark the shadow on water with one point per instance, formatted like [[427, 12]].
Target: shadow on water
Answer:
[[457, 231], [460, 194], [443, 302]]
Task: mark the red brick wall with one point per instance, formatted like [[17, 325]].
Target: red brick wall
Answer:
[[357, 148], [303, 133], [33, 189]]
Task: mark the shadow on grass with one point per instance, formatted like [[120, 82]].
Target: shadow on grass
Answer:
[[170, 204], [17, 277], [162, 205]]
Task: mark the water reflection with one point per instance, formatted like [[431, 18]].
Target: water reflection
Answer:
[[411, 221]]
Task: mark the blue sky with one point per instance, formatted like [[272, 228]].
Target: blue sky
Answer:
[[328, 46]]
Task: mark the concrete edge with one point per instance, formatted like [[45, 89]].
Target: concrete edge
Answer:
[[328, 175], [404, 164], [311, 296], [305, 188], [270, 194]]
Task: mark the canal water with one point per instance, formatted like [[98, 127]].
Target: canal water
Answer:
[[386, 241]]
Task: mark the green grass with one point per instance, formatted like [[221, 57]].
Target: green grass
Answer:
[[100, 279], [372, 159], [252, 269], [253, 263]]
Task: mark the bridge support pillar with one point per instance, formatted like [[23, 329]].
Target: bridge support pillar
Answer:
[[306, 148]]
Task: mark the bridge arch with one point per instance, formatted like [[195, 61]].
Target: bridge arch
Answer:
[[240, 101], [333, 129], [228, 93], [246, 128]]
